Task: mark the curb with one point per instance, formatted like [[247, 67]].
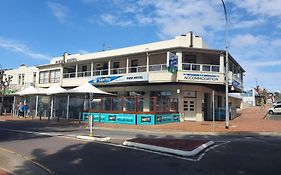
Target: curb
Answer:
[[170, 150], [216, 133], [93, 138]]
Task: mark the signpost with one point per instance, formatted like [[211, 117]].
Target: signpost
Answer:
[[91, 125], [172, 62]]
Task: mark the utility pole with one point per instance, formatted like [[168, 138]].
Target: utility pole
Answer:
[[2, 90], [226, 67]]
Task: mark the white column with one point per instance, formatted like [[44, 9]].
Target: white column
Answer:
[[127, 68], [76, 71], [67, 107], [92, 69], [61, 75], [52, 106], [179, 54], [36, 106], [109, 67], [222, 63], [147, 61]]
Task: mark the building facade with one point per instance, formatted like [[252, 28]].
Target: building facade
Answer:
[[143, 71], [23, 77]]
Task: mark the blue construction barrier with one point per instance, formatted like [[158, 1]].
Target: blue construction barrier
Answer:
[[133, 119]]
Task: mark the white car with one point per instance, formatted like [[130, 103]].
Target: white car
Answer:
[[277, 103], [275, 109]]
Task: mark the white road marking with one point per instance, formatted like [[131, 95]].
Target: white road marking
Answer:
[[73, 137]]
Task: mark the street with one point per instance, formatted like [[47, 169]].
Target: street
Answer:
[[62, 154]]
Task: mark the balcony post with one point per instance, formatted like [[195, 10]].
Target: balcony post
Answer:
[[147, 61], [222, 63], [109, 67], [179, 54], [127, 68], [76, 70], [61, 75], [92, 69]]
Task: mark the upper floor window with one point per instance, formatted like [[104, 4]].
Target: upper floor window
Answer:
[[52, 76], [19, 80], [134, 65], [189, 59], [22, 78]]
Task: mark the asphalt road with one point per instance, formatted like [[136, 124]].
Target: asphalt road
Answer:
[[274, 116], [252, 154]]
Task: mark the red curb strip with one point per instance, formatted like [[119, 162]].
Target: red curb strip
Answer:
[[170, 150]]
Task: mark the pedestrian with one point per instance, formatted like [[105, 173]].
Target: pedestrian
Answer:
[[19, 107], [24, 109]]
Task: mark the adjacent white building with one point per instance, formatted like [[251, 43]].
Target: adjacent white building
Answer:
[[23, 76]]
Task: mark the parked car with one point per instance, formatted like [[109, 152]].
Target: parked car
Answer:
[[277, 103], [275, 109]]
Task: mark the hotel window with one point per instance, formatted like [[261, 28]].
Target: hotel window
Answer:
[[162, 100], [134, 65], [115, 68], [44, 77], [34, 78], [22, 78], [189, 63], [55, 76], [19, 82]]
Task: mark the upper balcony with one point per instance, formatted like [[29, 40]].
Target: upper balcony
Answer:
[[206, 68]]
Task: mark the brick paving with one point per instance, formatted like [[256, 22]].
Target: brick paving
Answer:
[[249, 120], [179, 144], [3, 172]]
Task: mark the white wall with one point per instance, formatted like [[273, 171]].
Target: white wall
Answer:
[[28, 77]]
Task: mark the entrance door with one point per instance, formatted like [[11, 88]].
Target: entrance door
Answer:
[[205, 107], [189, 108]]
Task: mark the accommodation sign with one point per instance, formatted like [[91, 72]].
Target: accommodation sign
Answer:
[[120, 78], [201, 77]]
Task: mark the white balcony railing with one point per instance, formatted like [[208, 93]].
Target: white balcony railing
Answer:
[[200, 67], [139, 69], [84, 74], [136, 69], [158, 67], [118, 70]]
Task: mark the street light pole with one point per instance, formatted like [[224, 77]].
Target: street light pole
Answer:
[[226, 67]]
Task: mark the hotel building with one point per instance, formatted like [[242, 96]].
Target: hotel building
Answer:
[[142, 71]]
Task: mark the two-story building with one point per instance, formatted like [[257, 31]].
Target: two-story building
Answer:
[[142, 71]]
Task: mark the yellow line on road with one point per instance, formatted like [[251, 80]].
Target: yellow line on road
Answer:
[[29, 159]]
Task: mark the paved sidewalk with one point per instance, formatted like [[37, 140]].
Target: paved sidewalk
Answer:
[[250, 120]]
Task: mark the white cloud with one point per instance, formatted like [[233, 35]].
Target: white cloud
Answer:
[[259, 56], [247, 23], [59, 11], [114, 20], [260, 7], [17, 47], [182, 16]]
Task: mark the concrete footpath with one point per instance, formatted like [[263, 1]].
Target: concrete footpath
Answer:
[[251, 120]]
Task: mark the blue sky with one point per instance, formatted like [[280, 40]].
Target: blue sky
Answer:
[[32, 31]]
